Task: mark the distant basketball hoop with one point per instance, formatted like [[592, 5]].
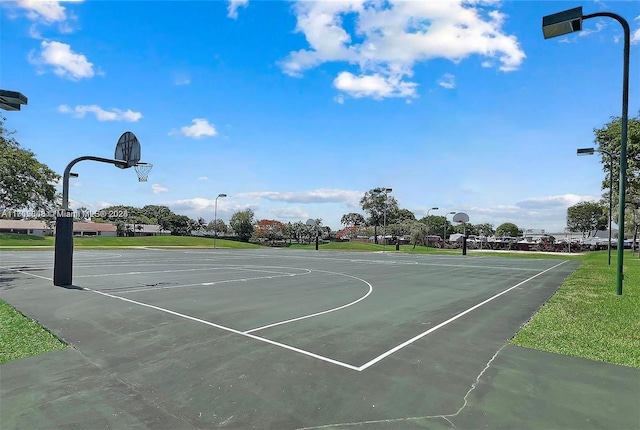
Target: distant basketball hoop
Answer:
[[142, 170], [461, 218]]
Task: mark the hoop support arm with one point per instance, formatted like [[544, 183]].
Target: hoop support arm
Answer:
[[67, 174]]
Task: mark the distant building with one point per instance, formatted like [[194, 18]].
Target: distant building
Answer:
[[40, 228], [32, 227], [147, 230]]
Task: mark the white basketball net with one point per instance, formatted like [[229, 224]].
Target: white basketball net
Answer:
[[142, 170]]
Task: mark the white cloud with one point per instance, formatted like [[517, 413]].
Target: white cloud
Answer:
[[547, 212], [101, 114], [447, 81], [233, 6], [375, 86], [390, 37], [289, 213], [600, 25], [313, 196], [47, 11], [635, 36], [183, 81], [339, 99], [72, 183], [63, 60], [203, 178], [157, 189], [560, 201], [200, 128]]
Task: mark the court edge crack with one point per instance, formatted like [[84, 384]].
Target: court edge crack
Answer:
[[446, 417]]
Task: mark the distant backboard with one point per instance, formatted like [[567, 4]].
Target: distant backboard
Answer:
[[311, 222], [461, 217], [127, 150]]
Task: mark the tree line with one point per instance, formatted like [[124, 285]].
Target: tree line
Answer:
[[29, 184], [588, 217], [382, 211]]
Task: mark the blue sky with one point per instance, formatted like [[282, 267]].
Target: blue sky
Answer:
[[295, 109]]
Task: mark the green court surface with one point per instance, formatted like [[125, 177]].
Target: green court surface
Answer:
[[281, 339]]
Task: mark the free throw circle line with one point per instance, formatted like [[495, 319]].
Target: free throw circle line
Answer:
[[322, 312]]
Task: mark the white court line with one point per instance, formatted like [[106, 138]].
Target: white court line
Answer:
[[175, 270], [221, 327], [200, 284], [26, 273], [136, 263], [450, 320], [323, 312], [310, 354], [417, 263]]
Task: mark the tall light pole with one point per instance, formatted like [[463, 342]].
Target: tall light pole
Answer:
[[444, 235], [215, 219], [428, 210], [569, 21], [386, 192], [591, 151]]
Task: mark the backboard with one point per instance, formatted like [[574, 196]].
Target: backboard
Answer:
[[128, 150], [311, 223], [461, 217]]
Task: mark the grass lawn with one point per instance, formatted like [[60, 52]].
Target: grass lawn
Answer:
[[372, 247], [585, 318], [20, 240], [23, 337]]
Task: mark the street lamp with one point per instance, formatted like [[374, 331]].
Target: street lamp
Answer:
[[444, 235], [386, 192], [591, 151], [215, 219], [12, 100], [432, 209], [569, 21]]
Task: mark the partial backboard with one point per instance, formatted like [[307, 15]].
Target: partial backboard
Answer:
[[128, 150]]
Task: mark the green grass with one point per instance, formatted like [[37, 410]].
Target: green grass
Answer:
[[372, 247], [23, 337], [585, 318], [8, 239], [19, 240]]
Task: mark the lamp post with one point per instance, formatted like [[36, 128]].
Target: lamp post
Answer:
[[12, 100], [215, 219], [591, 151], [386, 192], [428, 210], [569, 21], [444, 235]]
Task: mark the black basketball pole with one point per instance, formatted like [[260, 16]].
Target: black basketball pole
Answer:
[[63, 253]]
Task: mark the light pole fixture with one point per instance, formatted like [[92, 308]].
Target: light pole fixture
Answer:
[[12, 100], [386, 192], [428, 210], [215, 219], [444, 234], [569, 21], [591, 151]]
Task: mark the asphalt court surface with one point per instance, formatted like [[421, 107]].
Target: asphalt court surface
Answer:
[[280, 339]]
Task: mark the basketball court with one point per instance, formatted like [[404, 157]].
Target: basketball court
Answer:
[[298, 339]]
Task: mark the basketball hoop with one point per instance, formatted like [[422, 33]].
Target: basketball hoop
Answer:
[[142, 170]]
